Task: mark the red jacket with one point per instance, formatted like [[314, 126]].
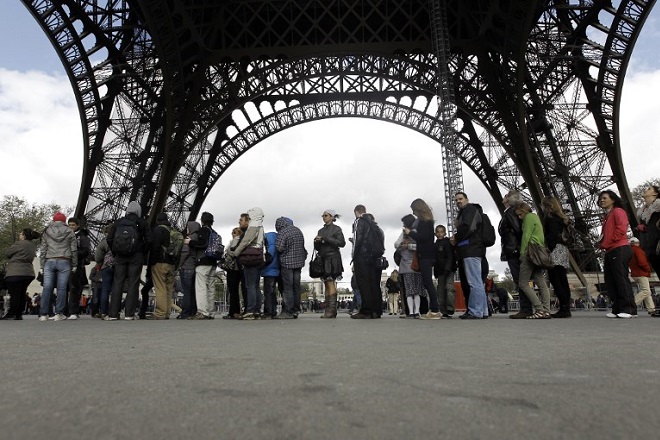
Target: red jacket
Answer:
[[615, 230], [639, 265]]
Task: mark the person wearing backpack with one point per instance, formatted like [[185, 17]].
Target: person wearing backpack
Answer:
[[205, 268], [187, 264], [471, 253], [164, 255], [129, 240], [368, 246], [290, 244]]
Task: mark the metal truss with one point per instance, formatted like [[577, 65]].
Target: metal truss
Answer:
[[160, 85]]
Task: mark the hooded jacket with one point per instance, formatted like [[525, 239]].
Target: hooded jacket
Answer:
[[58, 241], [290, 244], [273, 269]]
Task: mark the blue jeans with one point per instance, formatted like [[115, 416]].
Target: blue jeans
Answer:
[[252, 278], [189, 304], [477, 303], [270, 296], [291, 289], [107, 276], [56, 272]]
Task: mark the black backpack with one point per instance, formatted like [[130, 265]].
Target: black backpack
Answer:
[[488, 236], [374, 240], [127, 240]]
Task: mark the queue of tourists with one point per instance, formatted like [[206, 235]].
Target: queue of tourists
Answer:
[[536, 251]]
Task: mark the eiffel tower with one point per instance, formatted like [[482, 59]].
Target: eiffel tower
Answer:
[[535, 87]]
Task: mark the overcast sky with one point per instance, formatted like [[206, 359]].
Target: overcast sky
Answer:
[[297, 173]]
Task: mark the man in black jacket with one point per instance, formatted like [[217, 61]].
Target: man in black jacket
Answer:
[[78, 278], [367, 274], [131, 228], [204, 270], [471, 252]]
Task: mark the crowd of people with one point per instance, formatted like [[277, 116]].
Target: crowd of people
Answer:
[[534, 247]]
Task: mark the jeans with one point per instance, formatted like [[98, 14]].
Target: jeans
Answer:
[[477, 305], [252, 277], [107, 276], [291, 289], [189, 304], [270, 296], [56, 273]]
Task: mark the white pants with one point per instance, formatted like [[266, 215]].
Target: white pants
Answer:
[[205, 289]]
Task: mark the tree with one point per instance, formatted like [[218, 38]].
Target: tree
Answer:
[[507, 283], [636, 192], [17, 214]]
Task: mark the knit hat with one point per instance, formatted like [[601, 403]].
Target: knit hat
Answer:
[[59, 217], [634, 240]]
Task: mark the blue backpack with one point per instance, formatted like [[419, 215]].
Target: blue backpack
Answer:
[[214, 250]]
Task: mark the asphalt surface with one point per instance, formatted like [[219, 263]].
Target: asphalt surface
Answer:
[[584, 377]]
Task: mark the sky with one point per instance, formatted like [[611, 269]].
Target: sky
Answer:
[[331, 164]]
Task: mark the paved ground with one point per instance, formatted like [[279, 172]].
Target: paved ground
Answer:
[[584, 377]]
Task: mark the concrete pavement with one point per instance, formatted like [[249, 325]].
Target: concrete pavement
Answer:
[[584, 377]]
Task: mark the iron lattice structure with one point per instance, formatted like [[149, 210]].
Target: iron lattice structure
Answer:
[[172, 92]]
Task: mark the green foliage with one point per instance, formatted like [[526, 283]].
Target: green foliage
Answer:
[[507, 283], [17, 214], [637, 191]]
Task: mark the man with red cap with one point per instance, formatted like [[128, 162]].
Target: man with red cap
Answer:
[[58, 254]]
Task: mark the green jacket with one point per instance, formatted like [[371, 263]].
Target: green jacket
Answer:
[[532, 232]]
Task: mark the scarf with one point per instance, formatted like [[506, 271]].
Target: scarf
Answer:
[[645, 212]]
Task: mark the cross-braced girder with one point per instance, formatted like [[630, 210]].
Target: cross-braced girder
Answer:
[[537, 87]]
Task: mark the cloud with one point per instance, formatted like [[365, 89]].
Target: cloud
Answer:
[[639, 127], [40, 135]]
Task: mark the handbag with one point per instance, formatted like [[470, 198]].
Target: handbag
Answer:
[[382, 263], [316, 266], [252, 257], [415, 262], [539, 256]]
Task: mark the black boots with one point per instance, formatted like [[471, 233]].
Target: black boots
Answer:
[[330, 306]]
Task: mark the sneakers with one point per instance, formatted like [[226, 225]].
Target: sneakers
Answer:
[[129, 318], [43, 318], [446, 316], [624, 315], [72, 317], [431, 315], [249, 317], [59, 317], [283, 315], [612, 315], [110, 318], [200, 317]]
